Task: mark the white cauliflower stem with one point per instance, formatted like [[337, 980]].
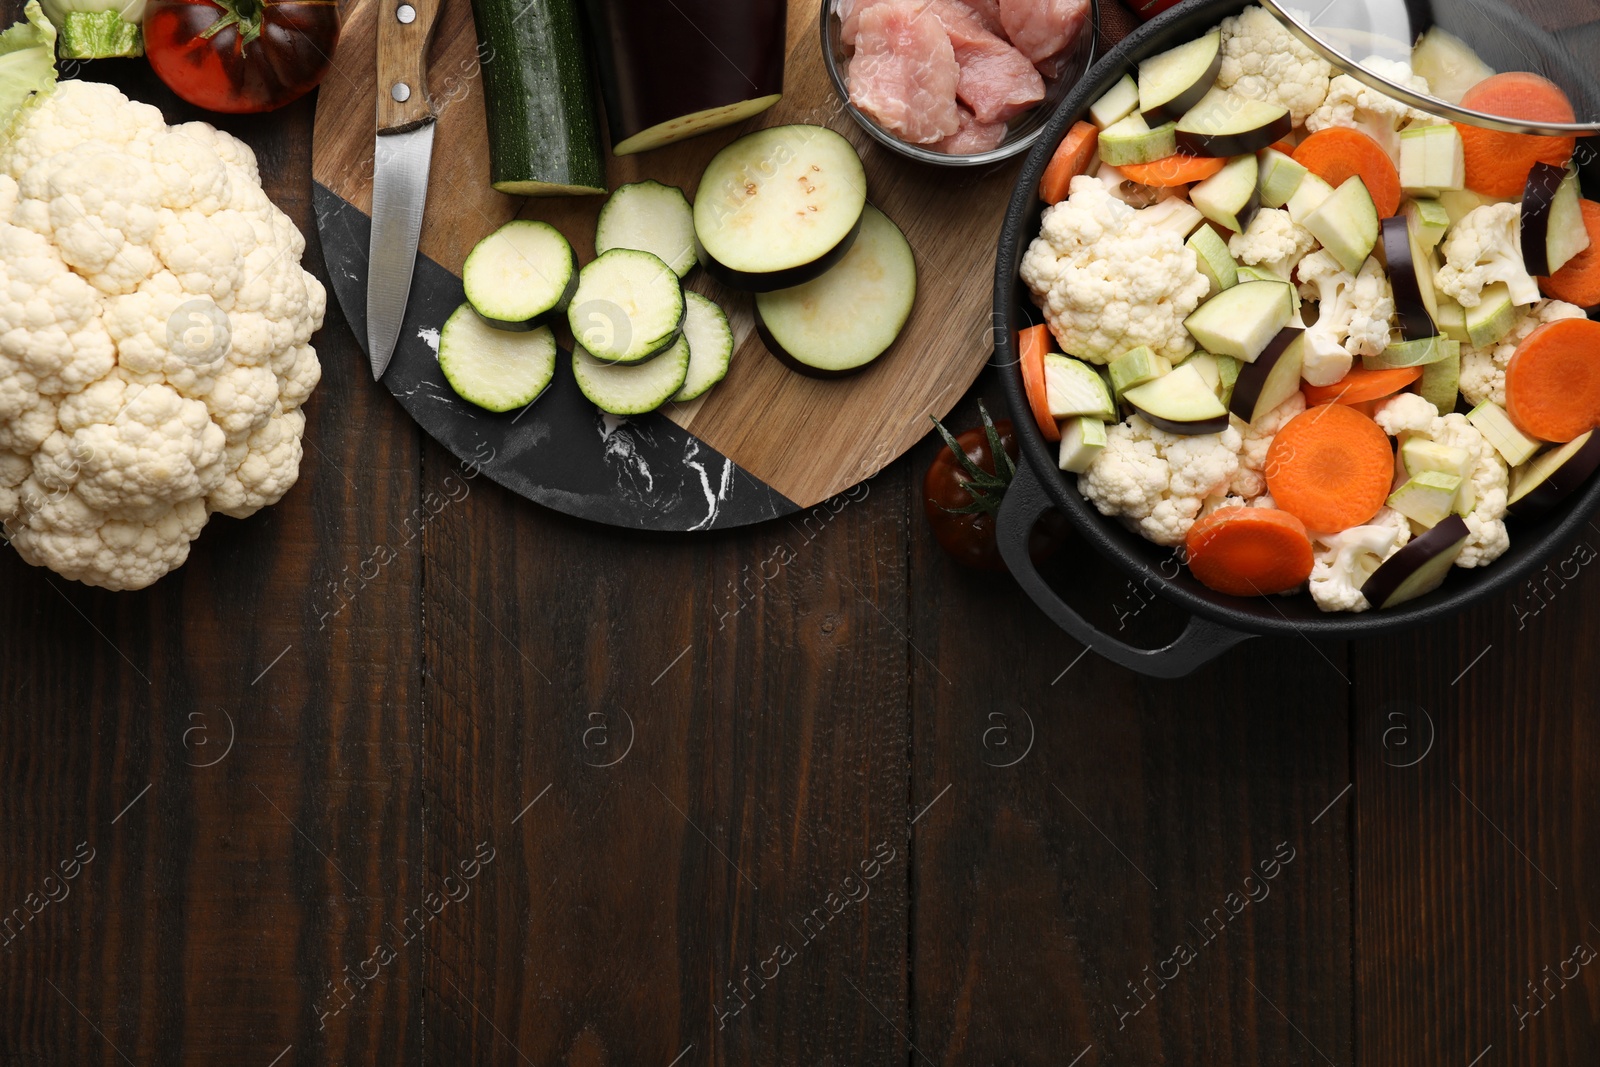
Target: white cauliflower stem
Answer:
[[1157, 482], [1262, 60], [1109, 282], [1345, 560], [1483, 370], [1483, 248], [154, 336]]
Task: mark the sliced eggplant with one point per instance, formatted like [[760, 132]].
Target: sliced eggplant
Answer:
[[1412, 314], [1308, 196], [1242, 321], [842, 321], [1120, 101], [628, 306], [1174, 81], [1222, 124], [1230, 197], [521, 275], [1418, 568], [1553, 476], [1448, 63], [1346, 223], [1552, 219], [1181, 402], [673, 70], [1271, 379], [778, 207]]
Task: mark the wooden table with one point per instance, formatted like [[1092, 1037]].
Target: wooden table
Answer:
[[407, 770]]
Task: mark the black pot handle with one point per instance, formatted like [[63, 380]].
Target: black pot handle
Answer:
[[1201, 641]]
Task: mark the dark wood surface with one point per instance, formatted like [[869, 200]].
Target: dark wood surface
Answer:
[[504, 787]]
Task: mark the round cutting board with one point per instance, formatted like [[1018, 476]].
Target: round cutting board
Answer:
[[765, 442]]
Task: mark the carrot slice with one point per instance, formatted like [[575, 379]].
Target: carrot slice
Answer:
[[1362, 385], [1498, 162], [1071, 159], [1337, 153], [1249, 551], [1282, 146], [1553, 381], [1579, 281], [1331, 467], [1173, 170], [1032, 344]]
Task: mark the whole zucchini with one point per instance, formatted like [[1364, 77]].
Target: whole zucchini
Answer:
[[671, 70], [544, 134]]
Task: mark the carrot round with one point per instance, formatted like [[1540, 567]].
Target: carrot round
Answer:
[[1361, 385], [1249, 551], [1338, 152], [1553, 381], [1032, 344], [1498, 162], [1173, 170], [1331, 467], [1282, 146], [1071, 158], [1579, 281]]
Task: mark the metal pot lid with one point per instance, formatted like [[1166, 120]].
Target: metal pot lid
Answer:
[[1458, 42]]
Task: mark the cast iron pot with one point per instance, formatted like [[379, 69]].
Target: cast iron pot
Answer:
[[1218, 621]]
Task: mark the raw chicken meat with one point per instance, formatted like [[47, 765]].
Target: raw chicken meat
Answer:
[[904, 71], [997, 81], [987, 12], [1041, 28], [973, 137]]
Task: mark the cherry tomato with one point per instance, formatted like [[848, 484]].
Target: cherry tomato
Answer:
[[969, 536], [241, 56]]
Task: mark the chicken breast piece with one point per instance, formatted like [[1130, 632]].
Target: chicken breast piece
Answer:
[[904, 71], [997, 81], [972, 137], [1042, 28]]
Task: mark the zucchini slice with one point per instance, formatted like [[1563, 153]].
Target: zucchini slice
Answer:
[[498, 370], [628, 307], [705, 327], [650, 217], [842, 321], [544, 132], [621, 389], [520, 275], [778, 207]]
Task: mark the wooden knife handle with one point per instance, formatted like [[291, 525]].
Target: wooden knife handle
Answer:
[[405, 30]]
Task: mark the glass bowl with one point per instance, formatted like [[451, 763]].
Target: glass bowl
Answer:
[[1025, 128]]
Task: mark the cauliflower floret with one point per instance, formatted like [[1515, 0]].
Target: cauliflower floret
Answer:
[[1345, 560], [1250, 480], [1157, 482], [1355, 104], [1109, 282], [1262, 60], [1485, 247], [1353, 313], [1483, 370], [1273, 241], [154, 336], [1405, 412]]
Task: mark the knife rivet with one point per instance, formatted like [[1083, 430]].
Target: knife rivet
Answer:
[[401, 92], [406, 13]]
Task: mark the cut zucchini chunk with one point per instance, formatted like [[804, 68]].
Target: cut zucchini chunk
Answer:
[[1514, 446], [1120, 101], [650, 217], [1429, 218], [1278, 178], [705, 327], [1072, 387], [1132, 140], [1223, 124], [1418, 353], [1441, 382], [631, 389], [1174, 81], [1135, 367], [498, 370], [1082, 439], [842, 321], [520, 275], [1211, 255], [627, 308], [1307, 197], [778, 207]]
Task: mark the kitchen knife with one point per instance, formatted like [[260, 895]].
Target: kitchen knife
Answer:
[[400, 161]]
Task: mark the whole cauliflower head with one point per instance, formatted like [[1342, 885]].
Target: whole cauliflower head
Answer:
[[1157, 482], [1483, 370], [154, 336], [1356, 104], [1273, 241], [1108, 281], [1262, 60], [1485, 247]]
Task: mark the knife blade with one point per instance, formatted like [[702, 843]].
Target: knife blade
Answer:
[[401, 157]]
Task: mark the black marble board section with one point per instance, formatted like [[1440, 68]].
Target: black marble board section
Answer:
[[643, 471]]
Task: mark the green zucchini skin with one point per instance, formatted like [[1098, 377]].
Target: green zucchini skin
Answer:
[[544, 133]]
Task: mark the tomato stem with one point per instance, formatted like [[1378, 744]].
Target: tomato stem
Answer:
[[245, 14], [984, 489]]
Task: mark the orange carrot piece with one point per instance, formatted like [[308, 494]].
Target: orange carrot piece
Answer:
[[1553, 381], [1579, 281], [1498, 162], [1331, 467], [1249, 551], [1338, 153], [1282, 146], [1362, 385], [1071, 159], [1032, 344], [1173, 170]]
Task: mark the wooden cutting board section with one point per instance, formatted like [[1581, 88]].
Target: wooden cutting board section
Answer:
[[808, 439]]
